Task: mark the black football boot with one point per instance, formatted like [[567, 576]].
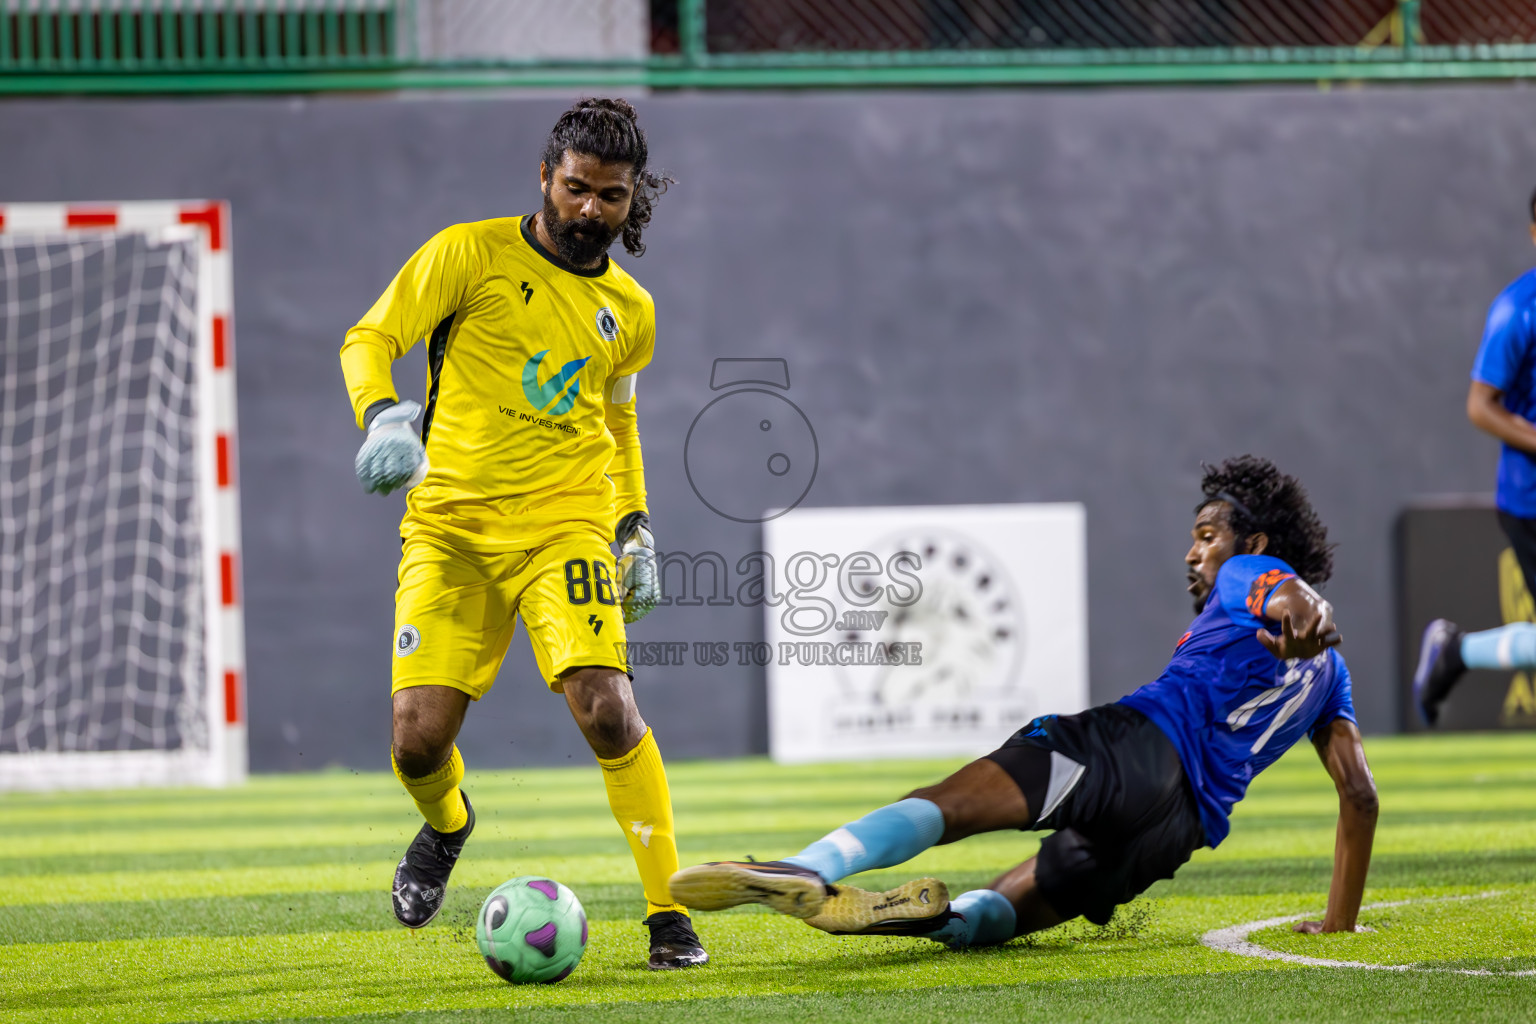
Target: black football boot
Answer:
[[1439, 668], [421, 877], [674, 944]]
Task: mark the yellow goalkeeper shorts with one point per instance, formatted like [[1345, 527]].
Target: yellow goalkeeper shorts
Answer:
[[455, 611]]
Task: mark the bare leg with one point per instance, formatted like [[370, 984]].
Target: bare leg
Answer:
[[980, 797], [427, 719], [603, 705], [983, 797], [1033, 912]]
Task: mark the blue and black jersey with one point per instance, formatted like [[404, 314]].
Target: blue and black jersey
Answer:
[[1227, 705]]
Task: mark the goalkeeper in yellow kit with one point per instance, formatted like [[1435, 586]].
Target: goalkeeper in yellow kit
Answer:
[[527, 466]]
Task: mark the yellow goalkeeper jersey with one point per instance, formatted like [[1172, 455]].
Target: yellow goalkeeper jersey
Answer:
[[530, 414]]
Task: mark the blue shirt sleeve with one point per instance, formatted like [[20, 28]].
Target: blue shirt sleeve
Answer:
[[1341, 702], [1504, 345], [1244, 585]]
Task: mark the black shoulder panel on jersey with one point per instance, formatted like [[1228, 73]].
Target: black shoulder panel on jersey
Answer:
[[437, 348]]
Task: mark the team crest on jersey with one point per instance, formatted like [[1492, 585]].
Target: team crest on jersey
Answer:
[[607, 324], [406, 641]]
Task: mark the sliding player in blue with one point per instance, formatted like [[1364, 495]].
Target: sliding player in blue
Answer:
[[1132, 788]]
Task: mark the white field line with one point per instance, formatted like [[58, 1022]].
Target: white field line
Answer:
[[1234, 939]]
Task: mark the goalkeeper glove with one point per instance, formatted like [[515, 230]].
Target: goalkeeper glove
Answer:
[[639, 586], [392, 455]]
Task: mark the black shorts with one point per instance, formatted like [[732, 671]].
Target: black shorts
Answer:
[[1111, 785], [1522, 537]]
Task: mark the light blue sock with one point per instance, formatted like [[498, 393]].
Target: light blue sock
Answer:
[[986, 918], [896, 832], [1511, 646]]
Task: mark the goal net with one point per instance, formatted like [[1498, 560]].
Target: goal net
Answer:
[[119, 634]]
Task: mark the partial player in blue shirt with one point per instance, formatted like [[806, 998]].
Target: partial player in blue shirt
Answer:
[[1131, 788], [1501, 402]]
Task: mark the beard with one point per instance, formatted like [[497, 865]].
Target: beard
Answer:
[[1201, 599], [580, 241]]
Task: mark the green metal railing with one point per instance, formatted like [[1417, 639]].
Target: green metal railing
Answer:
[[169, 36], [174, 46]]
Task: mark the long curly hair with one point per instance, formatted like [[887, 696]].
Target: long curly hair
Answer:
[[1276, 505], [609, 129]]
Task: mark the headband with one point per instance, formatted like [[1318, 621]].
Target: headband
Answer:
[[1227, 497]]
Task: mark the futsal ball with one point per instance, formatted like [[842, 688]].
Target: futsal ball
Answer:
[[531, 929]]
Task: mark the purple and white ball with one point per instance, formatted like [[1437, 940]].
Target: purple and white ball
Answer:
[[531, 930]]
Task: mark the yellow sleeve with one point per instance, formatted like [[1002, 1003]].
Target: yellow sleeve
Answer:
[[627, 470], [431, 286]]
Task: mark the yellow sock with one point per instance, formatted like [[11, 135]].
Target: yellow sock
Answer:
[[642, 805], [437, 795]]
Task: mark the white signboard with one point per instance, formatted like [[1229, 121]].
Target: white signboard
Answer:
[[923, 632]]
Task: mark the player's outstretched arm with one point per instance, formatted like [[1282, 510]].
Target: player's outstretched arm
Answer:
[[1343, 754], [1305, 620]]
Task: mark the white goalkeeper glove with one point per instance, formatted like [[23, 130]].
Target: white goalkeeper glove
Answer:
[[639, 586], [392, 456]]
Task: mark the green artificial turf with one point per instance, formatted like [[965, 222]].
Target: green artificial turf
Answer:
[[270, 902]]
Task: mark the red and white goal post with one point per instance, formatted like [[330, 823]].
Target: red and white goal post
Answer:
[[122, 647]]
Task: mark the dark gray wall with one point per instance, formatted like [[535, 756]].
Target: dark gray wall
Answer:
[[982, 296]]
